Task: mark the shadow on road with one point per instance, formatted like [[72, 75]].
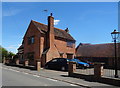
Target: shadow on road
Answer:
[[21, 66], [81, 76], [92, 78]]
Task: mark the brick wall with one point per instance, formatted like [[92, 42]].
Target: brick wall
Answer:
[[63, 48], [28, 48]]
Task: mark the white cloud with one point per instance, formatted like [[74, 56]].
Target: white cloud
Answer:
[[13, 48], [11, 12], [56, 22]]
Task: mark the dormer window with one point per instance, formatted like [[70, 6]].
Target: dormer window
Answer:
[[31, 40]]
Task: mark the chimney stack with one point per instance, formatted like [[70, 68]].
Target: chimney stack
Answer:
[[50, 33]]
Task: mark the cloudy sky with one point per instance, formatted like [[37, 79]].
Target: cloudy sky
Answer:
[[88, 22]]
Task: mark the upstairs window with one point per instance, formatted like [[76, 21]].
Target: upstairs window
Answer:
[[31, 40], [70, 44]]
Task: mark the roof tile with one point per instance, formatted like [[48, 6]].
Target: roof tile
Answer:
[[58, 32], [96, 50]]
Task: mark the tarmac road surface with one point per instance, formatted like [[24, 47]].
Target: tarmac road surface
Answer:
[[12, 77]]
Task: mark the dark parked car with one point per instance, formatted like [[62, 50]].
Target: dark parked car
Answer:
[[58, 64], [62, 64]]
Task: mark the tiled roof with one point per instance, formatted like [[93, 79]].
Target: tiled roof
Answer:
[[96, 50], [58, 32]]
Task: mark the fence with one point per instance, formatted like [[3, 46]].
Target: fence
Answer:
[[106, 72], [111, 73], [87, 71]]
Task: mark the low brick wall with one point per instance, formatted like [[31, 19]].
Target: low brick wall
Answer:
[[97, 76]]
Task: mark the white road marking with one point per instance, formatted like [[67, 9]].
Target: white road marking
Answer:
[[36, 75], [11, 69], [52, 79], [16, 71], [25, 73], [73, 85]]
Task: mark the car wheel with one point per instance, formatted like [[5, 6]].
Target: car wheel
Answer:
[[63, 68]]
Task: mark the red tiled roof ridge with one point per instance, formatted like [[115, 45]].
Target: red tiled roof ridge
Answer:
[[39, 23], [46, 25], [59, 29], [101, 43], [97, 44]]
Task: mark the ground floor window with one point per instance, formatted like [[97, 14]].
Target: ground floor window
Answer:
[[69, 56], [30, 56]]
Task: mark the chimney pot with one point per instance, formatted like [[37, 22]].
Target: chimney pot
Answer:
[[67, 30], [51, 14]]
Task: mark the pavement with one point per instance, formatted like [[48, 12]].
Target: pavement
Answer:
[[61, 77]]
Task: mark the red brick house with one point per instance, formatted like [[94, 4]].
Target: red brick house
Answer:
[[45, 42], [98, 53]]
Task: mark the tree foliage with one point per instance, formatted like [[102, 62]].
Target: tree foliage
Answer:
[[5, 53]]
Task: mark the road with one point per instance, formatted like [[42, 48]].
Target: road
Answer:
[[12, 77]]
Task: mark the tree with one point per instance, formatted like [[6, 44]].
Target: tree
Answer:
[[10, 54], [5, 53]]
